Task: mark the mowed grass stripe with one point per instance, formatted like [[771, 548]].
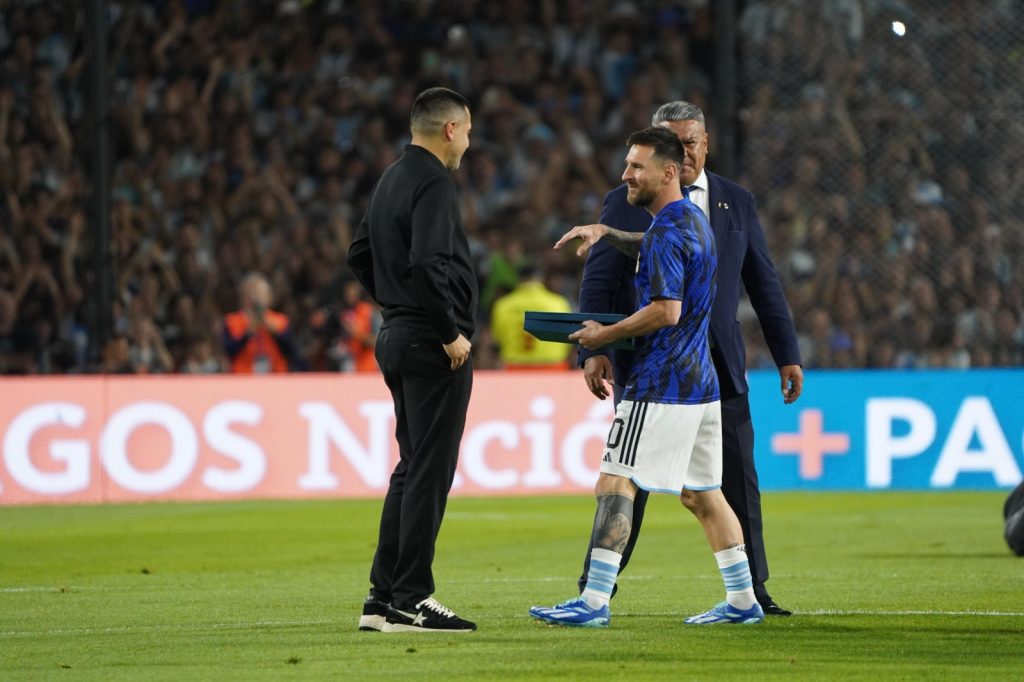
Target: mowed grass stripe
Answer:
[[293, 624], [884, 586]]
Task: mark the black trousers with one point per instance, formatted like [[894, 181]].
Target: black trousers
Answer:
[[739, 486], [430, 410]]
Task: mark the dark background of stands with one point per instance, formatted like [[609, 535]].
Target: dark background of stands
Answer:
[[882, 138]]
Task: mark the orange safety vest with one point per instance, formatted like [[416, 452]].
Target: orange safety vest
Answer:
[[260, 352], [362, 354]]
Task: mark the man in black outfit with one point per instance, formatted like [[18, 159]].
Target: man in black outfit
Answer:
[[743, 260], [412, 255]]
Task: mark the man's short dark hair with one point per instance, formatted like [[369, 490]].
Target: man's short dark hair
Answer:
[[666, 145], [434, 107], [526, 270]]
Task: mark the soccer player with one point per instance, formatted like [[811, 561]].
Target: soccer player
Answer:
[[666, 436], [743, 264]]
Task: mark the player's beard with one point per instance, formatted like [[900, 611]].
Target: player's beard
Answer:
[[642, 197]]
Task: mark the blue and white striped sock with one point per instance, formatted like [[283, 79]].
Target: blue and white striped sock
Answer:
[[739, 587], [604, 569]]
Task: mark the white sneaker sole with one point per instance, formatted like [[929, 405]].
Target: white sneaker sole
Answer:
[[377, 623], [398, 627], [595, 623], [753, 620]]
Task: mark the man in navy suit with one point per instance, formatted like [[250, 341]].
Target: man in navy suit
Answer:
[[743, 257]]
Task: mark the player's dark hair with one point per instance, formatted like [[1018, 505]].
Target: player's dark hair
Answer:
[[666, 145], [434, 107]]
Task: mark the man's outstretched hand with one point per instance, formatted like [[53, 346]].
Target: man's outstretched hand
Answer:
[[590, 234]]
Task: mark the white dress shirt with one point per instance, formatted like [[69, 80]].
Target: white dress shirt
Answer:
[[699, 193]]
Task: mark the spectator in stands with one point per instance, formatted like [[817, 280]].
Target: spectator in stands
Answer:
[[116, 356], [200, 357], [147, 353], [257, 340], [518, 349], [349, 334]]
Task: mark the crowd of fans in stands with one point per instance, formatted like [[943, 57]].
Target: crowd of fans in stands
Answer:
[[882, 139], [247, 136]]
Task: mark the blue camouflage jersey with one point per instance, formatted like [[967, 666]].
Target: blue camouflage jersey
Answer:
[[678, 259]]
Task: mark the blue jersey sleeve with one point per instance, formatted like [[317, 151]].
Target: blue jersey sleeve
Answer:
[[663, 253]]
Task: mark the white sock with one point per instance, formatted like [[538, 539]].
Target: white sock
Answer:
[[739, 587], [604, 569]]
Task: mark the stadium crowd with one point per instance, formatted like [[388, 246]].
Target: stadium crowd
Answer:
[[247, 136], [882, 140]]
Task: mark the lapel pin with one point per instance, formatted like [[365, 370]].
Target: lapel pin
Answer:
[[722, 204]]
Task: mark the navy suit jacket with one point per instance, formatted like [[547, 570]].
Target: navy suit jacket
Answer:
[[608, 287]]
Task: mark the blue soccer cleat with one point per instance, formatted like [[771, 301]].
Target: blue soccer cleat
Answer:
[[725, 613], [574, 613]]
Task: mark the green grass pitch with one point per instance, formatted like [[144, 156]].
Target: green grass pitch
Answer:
[[885, 586]]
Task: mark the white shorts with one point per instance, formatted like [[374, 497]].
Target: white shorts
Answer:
[[665, 448]]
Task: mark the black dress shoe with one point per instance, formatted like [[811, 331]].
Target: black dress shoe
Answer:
[[770, 607]]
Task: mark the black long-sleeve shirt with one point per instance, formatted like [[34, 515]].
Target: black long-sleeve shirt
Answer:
[[411, 252]]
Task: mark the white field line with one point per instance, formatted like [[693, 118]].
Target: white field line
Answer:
[[542, 579], [127, 629], [572, 579], [851, 612], [272, 624], [868, 612]]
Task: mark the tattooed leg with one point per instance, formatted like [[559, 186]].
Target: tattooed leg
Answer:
[[613, 522], [612, 526]]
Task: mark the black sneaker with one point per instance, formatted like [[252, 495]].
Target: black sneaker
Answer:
[[374, 614], [770, 607], [426, 616]]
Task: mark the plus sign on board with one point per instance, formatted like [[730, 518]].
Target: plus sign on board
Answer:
[[811, 444]]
